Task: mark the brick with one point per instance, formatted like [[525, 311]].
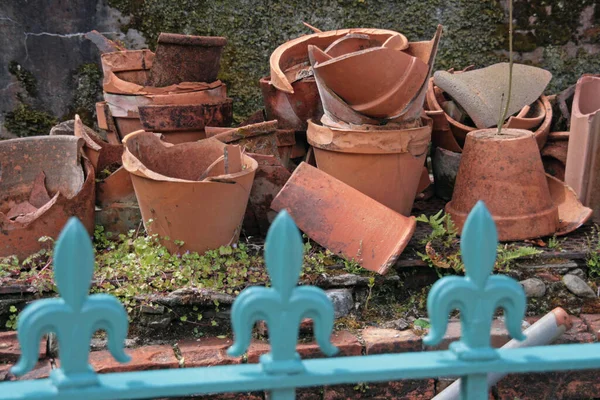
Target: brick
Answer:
[[593, 322], [142, 358], [549, 276], [306, 327], [401, 390], [206, 352], [4, 370], [443, 383], [570, 385], [346, 342], [40, 371], [381, 341], [499, 335], [10, 351]]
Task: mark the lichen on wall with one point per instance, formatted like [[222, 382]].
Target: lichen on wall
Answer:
[[475, 32]]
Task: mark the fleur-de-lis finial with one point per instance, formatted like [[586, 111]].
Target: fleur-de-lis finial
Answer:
[[284, 305], [478, 294], [74, 317]]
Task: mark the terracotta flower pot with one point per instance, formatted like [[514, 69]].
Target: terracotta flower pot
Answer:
[[292, 110], [506, 172], [583, 158], [184, 58], [386, 165], [45, 181], [191, 191], [344, 220], [450, 134], [125, 109], [185, 123]]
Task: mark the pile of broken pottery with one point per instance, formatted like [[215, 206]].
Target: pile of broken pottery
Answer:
[[351, 120]]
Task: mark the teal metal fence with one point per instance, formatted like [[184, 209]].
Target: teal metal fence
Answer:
[[75, 316]]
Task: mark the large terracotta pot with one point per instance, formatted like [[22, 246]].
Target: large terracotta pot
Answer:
[[386, 165], [185, 58], [506, 172], [45, 181], [583, 158], [190, 191]]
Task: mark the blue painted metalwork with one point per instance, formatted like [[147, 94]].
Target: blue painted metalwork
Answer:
[[76, 315]]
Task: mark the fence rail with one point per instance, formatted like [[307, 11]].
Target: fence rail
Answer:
[[75, 316]]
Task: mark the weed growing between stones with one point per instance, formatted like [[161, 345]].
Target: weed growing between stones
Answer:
[[593, 256]]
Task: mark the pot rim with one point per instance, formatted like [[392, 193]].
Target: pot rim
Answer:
[[131, 163]]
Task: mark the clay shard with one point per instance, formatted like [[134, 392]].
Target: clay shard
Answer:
[[481, 92], [104, 44], [344, 220]]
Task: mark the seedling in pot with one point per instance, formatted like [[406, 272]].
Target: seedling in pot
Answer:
[[503, 114]]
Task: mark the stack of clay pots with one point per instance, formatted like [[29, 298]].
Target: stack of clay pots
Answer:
[[174, 91], [370, 143]]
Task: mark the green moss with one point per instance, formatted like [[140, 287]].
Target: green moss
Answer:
[[25, 78], [26, 121], [474, 31], [88, 90]]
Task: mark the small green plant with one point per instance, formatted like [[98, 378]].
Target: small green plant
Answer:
[[422, 323], [352, 266], [370, 285], [593, 254], [506, 254], [442, 228], [555, 244], [12, 319]]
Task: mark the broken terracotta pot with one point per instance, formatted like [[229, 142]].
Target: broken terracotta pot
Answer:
[[186, 122], [378, 82], [445, 165], [127, 72], [480, 92], [125, 109], [583, 159], [292, 110], [270, 177], [344, 220], [259, 138], [185, 58], [45, 181], [386, 165], [450, 134], [290, 59], [106, 122], [506, 172], [195, 192], [399, 100], [554, 154], [103, 44], [116, 206]]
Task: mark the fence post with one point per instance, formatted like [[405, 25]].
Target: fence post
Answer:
[[282, 306]]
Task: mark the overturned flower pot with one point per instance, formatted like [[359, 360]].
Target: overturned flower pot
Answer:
[[45, 181], [583, 158], [506, 172], [117, 209], [386, 165], [186, 58], [192, 192], [344, 220]]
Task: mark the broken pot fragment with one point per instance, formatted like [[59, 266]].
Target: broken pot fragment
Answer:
[[45, 181], [189, 192], [344, 220], [583, 158], [481, 92], [506, 172]]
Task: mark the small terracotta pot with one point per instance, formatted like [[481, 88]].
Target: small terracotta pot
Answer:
[[344, 220], [45, 181], [292, 110], [386, 165], [583, 159], [188, 190], [506, 172], [184, 58]]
